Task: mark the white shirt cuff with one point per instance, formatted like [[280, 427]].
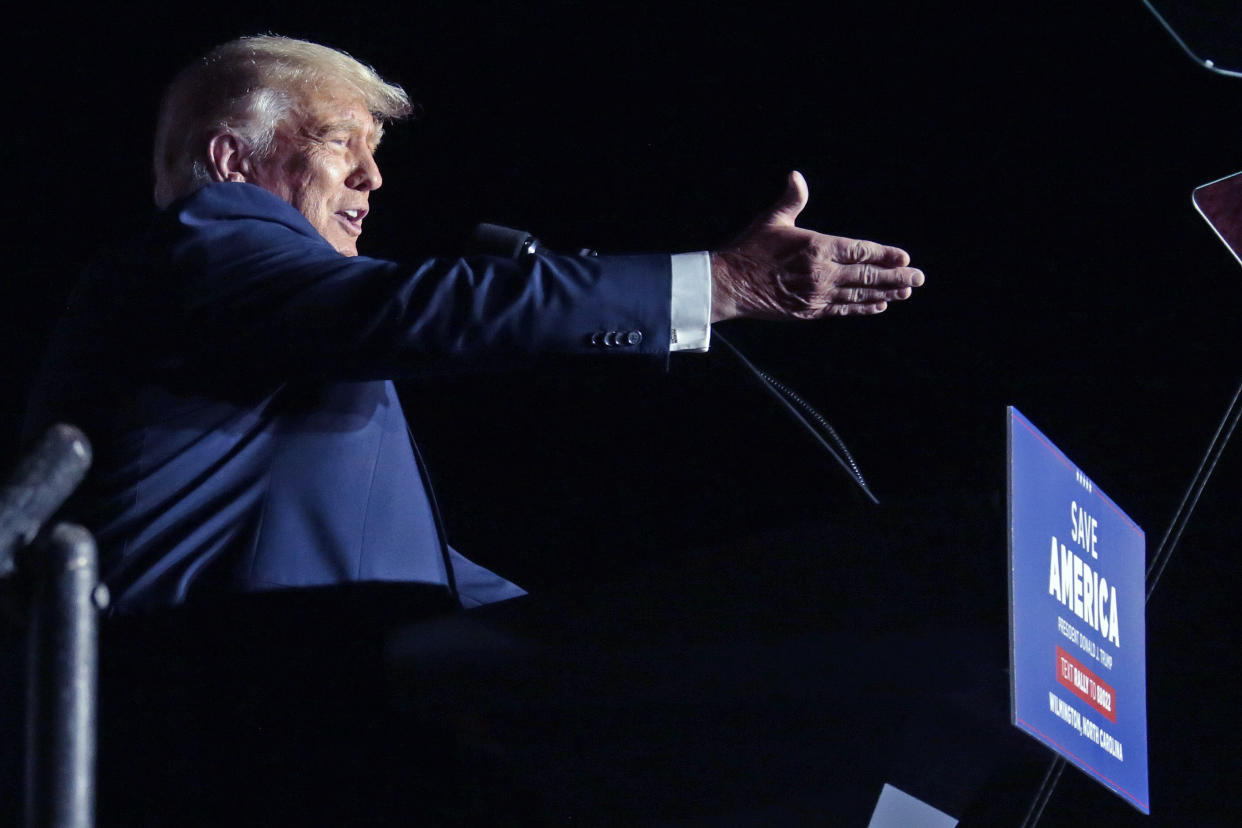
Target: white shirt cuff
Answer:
[[692, 302]]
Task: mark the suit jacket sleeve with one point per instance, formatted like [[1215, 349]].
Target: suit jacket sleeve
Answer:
[[250, 281]]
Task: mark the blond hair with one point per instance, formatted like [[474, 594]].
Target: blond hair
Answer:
[[248, 87]]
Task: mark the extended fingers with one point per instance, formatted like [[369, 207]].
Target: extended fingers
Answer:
[[866, 289], [857, 251], [854, 309], [877, 276], [861, 295]]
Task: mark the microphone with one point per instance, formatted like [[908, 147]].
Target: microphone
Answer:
[[497, 240], [43, 480], [508, 242]]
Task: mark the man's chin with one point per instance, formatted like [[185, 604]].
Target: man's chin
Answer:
[[346, 247]]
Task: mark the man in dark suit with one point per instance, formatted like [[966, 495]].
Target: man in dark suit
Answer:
[[234, 367]]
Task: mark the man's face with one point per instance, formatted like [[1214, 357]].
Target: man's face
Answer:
[[324, 164]]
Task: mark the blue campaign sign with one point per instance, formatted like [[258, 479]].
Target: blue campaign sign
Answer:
[[1077, 652]]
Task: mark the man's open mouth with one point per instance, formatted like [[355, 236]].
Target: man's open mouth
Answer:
[[353, 217]]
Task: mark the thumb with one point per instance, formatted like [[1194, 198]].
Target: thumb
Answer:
[[791, 202]]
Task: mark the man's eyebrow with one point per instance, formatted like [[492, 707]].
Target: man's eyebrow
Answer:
[[349, 125]]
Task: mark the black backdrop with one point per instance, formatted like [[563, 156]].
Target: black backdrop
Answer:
[[1036, 159]]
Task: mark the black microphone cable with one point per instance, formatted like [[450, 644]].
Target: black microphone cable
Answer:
[[817, 425]]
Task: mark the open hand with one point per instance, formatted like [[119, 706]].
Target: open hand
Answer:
[[777, 270]]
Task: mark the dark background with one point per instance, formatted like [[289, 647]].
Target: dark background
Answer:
[[1036, 160]]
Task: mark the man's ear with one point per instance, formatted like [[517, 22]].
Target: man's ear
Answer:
[[228, 158]]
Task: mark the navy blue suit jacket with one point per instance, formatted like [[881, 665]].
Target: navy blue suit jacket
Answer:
[[233, 372]]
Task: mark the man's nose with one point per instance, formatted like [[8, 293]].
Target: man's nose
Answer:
[[366, 175]]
